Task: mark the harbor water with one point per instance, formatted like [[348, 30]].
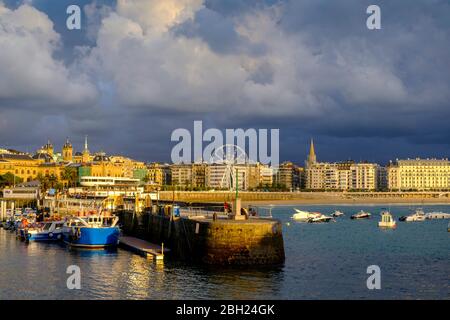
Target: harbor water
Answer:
[[323, 261]]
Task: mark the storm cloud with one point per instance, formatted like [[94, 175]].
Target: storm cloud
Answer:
[[139, 69]]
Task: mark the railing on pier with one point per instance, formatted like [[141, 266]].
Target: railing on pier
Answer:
[[254, 212]]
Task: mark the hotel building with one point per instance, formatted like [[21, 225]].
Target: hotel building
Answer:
[[419, 175]]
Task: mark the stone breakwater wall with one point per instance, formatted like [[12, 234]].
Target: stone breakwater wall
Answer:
[[221, 241]]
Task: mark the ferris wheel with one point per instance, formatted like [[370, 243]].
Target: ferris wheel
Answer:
[[230, 156]]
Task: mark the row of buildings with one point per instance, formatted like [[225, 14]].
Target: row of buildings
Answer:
[[400, 175], [68, 167]]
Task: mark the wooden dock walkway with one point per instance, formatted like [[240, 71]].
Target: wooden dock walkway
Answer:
[[143, 247]]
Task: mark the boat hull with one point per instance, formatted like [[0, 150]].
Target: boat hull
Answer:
[[93, 238], [359, 217], [45, 236], [390, 225]]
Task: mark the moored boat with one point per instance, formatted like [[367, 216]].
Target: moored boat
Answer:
[[437, 215], [304, 216], [361, 215], [387, 221], [93, 231], [47, 231], [418, 215], [337, 213], [320, 219]]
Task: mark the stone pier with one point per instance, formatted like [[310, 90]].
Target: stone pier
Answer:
[[256, 241]]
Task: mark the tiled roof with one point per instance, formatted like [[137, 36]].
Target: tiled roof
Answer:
[[9, 156]]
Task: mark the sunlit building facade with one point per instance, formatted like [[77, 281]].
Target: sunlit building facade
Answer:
[[419, 175]]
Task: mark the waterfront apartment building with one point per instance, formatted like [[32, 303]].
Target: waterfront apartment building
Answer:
[[288, 176], [159, 174], [419, 175], [221, 176], [181, 175], [199, 175], [346, 175], [364, 176], [265, 176]]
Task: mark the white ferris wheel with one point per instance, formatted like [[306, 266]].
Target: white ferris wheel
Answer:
[[230, 156]]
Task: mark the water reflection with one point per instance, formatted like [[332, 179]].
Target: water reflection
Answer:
[[322, 262]]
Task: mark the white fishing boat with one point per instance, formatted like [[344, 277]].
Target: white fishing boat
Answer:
[[419, 215], [304, 216], [47, 231], [387, 221]]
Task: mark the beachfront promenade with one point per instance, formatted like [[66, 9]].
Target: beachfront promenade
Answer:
[[307, 197]]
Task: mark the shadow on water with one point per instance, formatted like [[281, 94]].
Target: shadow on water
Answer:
[[231, 282]]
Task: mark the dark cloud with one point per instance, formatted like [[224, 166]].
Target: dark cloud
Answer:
[[310, 68]]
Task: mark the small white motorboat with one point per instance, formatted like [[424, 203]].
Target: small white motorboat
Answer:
[[361, 215], [387, 221], [304, 216], [337, 213], [419, 215], [320, 219]]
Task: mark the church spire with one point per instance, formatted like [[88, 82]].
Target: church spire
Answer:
[[85, 155], [86, 143], [312, 155]]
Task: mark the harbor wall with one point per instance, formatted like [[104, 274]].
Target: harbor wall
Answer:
[[222, 242], [222, 196]]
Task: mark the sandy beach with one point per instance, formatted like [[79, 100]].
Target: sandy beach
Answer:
[[362, 201]]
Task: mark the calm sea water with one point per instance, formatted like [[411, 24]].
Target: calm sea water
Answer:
[[323, 261]]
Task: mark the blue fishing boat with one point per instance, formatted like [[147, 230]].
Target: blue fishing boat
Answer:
[[92, 232], [48, 231]]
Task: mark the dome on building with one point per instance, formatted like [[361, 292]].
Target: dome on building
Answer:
[[101, 158], [42, 156], [49, 145]]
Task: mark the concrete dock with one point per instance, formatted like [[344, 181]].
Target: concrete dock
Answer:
[[143, 247]]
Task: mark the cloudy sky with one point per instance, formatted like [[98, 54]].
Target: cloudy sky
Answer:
[[139, 69]]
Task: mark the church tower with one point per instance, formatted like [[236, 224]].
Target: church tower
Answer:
[[48, 148], [85, 155], [67, 151], [312, 155]]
